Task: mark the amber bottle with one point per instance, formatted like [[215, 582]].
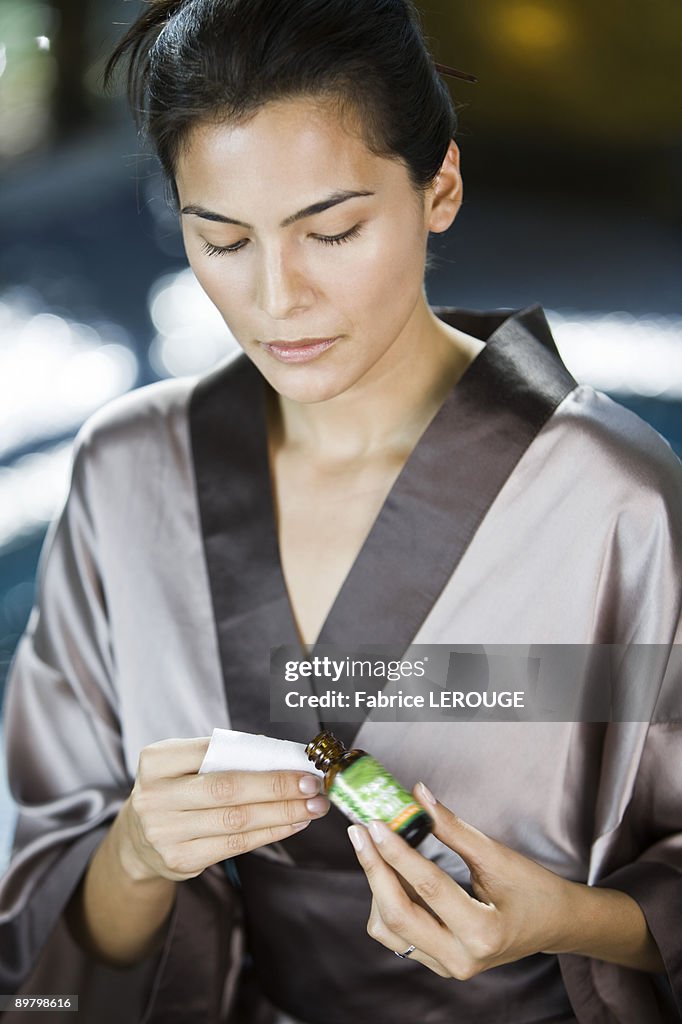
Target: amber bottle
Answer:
[[365, 791]]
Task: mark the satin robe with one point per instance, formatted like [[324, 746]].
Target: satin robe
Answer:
[[532, 510]]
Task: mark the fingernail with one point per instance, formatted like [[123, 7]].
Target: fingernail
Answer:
[[377, 830], [300, 825], [317, 805], [309, 784], [427, 794], [356, 837]]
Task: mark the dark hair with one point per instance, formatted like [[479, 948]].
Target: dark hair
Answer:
[[202, 61]]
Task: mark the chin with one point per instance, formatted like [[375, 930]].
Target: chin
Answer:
[[305, 385]]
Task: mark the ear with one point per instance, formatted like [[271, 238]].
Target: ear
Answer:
[[446, 192]]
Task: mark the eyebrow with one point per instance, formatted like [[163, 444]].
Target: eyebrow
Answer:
[[309, 211]]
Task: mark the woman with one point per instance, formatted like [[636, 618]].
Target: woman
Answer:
[[368, 471]]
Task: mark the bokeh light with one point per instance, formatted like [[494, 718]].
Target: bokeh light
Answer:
[[192, 336], [28, 72], [54, 372], [31, 491], [532, 29], [620, 353]]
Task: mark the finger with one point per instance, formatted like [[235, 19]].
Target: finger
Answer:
[[437, 889], [196, 855], [172, 758], [480, 852], [196, 824], [222, 789], [399, 920], [378, 930]]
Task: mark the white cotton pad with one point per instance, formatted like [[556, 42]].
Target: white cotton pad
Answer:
[[230, 750]]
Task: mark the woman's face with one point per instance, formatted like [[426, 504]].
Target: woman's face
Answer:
[[330, 246]]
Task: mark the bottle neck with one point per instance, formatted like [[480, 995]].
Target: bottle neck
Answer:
[[325, 750]]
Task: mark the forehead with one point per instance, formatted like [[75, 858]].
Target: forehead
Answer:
[[288, 150]]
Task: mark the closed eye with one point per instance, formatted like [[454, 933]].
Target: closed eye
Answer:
[[223, 250], [339, 239]]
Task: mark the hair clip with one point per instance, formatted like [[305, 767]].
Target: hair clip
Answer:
[[445, 70]]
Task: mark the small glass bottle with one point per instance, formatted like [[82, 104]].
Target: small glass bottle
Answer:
[[365, 791]]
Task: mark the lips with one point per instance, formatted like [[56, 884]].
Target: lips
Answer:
[[302, 351]]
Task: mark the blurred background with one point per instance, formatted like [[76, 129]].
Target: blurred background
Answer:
[[572, 159]]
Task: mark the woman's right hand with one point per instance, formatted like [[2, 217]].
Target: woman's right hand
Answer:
[[176, 823]]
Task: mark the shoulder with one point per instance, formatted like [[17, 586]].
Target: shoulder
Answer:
[[130, 416], [618, 463], [605, 431], [146, 425], [127, 444]]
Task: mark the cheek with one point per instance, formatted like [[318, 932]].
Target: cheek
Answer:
[[225, 288], [209, 271], [211, 280], [385, 273]]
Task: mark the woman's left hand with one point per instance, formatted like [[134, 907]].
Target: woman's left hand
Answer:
[[519, 907]]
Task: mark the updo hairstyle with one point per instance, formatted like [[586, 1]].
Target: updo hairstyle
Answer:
[[196, 62]]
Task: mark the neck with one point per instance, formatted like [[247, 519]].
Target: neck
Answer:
[[390, 407]]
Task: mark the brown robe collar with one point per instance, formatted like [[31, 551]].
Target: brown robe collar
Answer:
[[428, 519]]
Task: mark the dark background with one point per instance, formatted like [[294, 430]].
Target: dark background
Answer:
[[572, 159]]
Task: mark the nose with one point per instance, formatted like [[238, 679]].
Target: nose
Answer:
[[283, 287]]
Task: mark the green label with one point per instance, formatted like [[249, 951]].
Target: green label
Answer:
[[366, 791]]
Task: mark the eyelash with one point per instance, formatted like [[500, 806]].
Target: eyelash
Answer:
[[231, 250]]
